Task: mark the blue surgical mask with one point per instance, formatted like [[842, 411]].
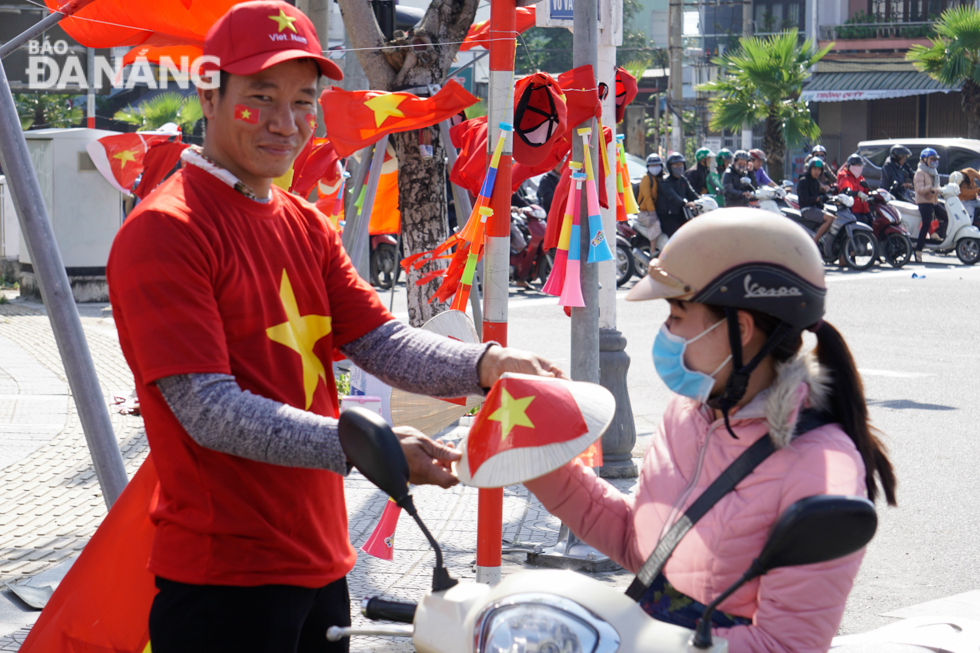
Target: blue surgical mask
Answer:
[[668, 359], [655, 170]]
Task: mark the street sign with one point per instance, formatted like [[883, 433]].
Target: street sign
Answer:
[[561, 9]]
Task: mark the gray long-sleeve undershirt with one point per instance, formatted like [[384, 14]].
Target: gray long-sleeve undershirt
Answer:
[[219, 415]]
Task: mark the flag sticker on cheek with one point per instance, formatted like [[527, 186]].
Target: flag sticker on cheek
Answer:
[[311, 121], [246, 114]]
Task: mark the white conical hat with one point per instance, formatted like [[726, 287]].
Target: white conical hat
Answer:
[[530, 426], [429, 414]]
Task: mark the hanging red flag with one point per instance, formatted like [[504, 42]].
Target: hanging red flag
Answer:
[[357, 119], [120, 157], [160, 159], [479, 34], [113, 23], [625, 91], [581, 95], [103, 603]]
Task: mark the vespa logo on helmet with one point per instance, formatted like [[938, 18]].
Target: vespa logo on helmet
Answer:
[[753, 290]]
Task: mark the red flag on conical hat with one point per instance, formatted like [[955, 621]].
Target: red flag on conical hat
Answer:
[[581, 95], [479, 33], [356, 119], [381, 544], [532, 425], [160, 159], [120, 157], [539, 118], [103, 603], [625, 91], [113, 23]]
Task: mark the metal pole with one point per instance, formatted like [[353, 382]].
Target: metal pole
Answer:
[[463, 210], [359, 177], [676, 75], [90, 104], [56, 292], [360, 250], [503, 19], [746, 32]]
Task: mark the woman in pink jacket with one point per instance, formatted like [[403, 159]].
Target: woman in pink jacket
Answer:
[[742, 285]]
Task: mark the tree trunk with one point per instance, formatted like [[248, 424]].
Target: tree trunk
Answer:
[[774, 147], [971, 105], [418, 58]]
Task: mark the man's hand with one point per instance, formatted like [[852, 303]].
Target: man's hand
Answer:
[[429, 462], [498, 360]]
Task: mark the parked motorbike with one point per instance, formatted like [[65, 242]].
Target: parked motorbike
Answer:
[[962, 236], [384, 260], [557, 611], [529, 262], [894, 241], [848, 239]]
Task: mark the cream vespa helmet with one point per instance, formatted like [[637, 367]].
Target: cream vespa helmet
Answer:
[[742, 258]]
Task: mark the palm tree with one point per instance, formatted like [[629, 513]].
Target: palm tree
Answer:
[[762, 80], [42, 110], [954, 58], [161, 109]]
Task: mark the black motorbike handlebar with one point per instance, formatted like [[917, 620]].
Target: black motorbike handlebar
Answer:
[[378, 609]]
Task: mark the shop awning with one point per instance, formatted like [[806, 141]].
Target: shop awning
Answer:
[[869, 85]]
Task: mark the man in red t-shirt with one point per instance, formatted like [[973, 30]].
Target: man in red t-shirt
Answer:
[[230, 297]]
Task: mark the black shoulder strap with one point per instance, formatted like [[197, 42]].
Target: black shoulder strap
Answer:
[[725, 483]]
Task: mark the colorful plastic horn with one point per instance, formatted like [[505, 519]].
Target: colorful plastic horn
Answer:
[[338, 204], [381, 544], [556, 280], [629, 200], [571, 294], [598, 247]]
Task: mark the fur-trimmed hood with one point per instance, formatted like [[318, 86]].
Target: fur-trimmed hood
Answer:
[[800, 382]]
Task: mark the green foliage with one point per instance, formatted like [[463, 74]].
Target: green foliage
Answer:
[[43, 111], [762, 81], [157, 111], [343, 384], [868, 26], [954, 55]]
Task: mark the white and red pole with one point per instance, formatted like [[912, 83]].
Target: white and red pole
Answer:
[[503, 21]]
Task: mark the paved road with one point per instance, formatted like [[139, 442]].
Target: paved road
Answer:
[[913, 339]]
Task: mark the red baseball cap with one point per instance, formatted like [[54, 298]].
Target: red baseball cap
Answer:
[[257, 35]]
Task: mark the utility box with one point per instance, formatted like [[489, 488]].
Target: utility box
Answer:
[[85, 211], [9, 234]]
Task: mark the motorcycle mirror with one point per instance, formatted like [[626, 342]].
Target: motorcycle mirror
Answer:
[[814, 529], [372, 447]]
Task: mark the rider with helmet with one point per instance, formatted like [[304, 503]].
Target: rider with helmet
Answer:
[[758, 160], [827, 177], [738, 182], [743, 285], [926, 183], [674, 194], [850, 180], [648, 223], [698, 173], [812, 197], [896, 174]]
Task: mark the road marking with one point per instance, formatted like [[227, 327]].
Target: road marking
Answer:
[[893, 374]]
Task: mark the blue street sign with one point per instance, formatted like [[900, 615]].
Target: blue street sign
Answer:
[[561, 9]]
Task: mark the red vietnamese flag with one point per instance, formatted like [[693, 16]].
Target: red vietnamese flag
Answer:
[[521, 413], [357, 119], [120, 157], [316, 162], [160, 159], [103, 603], [246, 114], [581, 95], [478, 35]]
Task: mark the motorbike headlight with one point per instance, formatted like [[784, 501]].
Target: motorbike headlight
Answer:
[[543, 624]]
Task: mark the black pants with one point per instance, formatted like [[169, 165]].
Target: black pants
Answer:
[[671, 223], [267, 619], [926, 210]]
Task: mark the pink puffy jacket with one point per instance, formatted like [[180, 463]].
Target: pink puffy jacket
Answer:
[[793, 608]]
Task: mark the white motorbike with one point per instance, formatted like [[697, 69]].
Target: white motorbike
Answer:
[[961, 236], [552, 611], [767, 198]]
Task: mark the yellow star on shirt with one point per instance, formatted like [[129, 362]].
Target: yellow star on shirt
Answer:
[[125, 157], [384, 106], [512, 412], [301, 333], [284, 21]]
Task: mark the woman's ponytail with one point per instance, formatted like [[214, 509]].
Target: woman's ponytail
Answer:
[[847, 405]]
